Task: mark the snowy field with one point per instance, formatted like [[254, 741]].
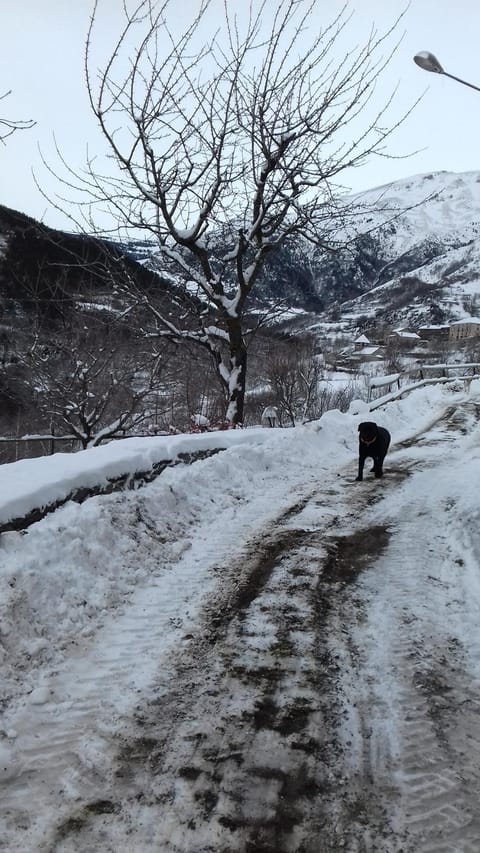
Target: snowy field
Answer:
[[116, 621]]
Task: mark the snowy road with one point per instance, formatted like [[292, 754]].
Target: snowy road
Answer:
[[299, 680]]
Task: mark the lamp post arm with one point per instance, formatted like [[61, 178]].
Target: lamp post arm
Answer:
[[459, 80]]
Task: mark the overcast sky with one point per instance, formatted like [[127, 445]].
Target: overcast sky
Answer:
[[41, 49]]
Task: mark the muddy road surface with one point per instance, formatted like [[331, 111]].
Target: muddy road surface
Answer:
[[329, 698]]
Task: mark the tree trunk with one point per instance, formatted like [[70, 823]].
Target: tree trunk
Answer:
[[238, 372]]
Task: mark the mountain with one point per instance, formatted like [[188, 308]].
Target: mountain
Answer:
[[429, 243], [414, 260], [70, 305], [49, 271], [412, 257]]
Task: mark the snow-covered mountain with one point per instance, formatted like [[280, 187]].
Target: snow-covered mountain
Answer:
[[420, 238], [413, 257], [438, 206]]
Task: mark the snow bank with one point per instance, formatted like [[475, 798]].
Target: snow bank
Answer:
[[38, 483], [33, 484]]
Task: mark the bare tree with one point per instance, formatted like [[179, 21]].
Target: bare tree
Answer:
[[293, 372], [94, 391], [235, 143], [393, 354], [9, 126]]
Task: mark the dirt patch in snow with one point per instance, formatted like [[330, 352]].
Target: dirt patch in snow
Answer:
[[347, 556], [262, 776]]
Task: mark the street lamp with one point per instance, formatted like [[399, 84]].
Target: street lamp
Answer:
[[429, 62]]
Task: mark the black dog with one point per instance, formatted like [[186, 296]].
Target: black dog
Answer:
[[373, 442]]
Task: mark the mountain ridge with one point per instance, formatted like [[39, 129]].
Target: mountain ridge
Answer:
[[415, 258], [420, 238]]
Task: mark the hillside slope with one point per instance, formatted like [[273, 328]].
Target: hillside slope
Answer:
[[413, 257], [430, 252]]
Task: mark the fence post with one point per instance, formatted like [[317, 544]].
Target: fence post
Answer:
[[52, 439]]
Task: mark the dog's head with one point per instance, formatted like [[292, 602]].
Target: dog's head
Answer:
[[368, 432]]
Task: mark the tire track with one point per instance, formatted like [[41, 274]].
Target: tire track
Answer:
[[432, 745], [72, 723], [257, 766], [325, 696]]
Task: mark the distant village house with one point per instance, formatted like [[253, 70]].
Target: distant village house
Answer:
[[371, 353], [404, 338], [361, 352], [434, 333], [361, 342], [464, 329]]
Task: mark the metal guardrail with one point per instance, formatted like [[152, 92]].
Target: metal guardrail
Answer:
[[15, 448], [445, 371]]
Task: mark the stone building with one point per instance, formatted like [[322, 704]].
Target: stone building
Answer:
[[462, 329]]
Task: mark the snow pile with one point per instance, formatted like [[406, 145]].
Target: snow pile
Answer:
[[36, 483]]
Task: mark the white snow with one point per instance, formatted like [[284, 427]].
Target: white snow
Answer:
[[380, 381], [97, 597], [438, 205], [434, 217], [36, 483]]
